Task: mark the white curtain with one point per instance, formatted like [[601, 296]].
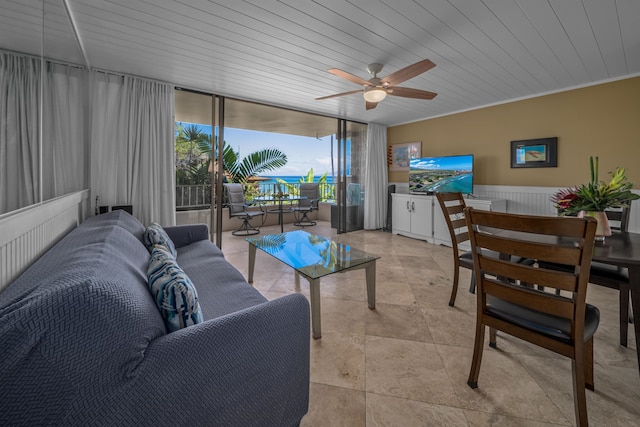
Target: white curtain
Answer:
[[375, 179], [132, 145], [64, 130], [19, 131]]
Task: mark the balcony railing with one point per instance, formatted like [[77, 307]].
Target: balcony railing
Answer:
[[192, 197]]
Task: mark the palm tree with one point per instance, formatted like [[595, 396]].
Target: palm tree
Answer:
[[193, 157], [239, 170], [191, 162]]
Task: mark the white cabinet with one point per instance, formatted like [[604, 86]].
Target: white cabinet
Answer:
[[400, 214], [412, 216], [441, 234], [420, 217]]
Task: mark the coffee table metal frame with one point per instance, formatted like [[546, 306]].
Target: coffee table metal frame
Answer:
[[314, 281]]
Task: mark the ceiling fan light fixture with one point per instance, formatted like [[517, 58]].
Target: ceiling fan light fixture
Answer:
[[376, 89], [375, 94]]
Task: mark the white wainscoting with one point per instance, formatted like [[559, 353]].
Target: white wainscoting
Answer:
[[530, 200], [27, 233], [520, 200]]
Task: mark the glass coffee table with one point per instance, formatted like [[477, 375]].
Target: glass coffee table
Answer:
[[312, 257]]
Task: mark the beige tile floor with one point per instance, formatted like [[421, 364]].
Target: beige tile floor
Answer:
[[406, 363]]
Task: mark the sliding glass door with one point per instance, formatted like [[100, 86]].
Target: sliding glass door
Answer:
[[272, 148], [348, 213]]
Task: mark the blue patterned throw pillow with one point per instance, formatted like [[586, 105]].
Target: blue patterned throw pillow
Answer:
[[155, 235], [173, 291]]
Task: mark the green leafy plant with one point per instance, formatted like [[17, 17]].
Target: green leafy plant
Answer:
[[241, 169], [596, 196], [191, 162], [326, 190], [309, 177]]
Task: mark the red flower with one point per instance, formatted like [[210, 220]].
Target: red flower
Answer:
[[564, 198]]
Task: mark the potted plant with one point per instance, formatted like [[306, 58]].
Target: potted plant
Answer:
[[593, 198]]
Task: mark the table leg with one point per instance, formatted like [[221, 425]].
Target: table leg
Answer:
[[252, 262], [370, 272], [625, 313], [297, 279], [634, 287], [280, 218], [314, 285]]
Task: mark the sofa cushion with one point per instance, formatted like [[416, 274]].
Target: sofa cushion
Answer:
[[155, 235], [222, 289], [173, 291]]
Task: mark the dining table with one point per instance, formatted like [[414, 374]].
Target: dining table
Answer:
[[622, 249], [279, 203]]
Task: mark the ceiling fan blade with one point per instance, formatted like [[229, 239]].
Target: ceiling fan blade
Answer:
[[370, 105], [409, 72], [339, 94], [411, 93], [348, 76]]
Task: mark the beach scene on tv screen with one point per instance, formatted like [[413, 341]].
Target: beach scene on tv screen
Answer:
[[441, 174]]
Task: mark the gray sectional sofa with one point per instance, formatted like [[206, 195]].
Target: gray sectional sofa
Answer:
[[82, 341]]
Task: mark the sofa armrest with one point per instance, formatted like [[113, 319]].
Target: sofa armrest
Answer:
[[183, 235], [246, 368]]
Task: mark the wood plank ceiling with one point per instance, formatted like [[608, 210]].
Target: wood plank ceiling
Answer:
[[277, 51]]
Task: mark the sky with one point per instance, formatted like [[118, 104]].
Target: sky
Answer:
[[446, 162], [303, 153]]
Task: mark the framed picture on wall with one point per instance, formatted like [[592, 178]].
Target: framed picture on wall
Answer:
[[535, 153], [401, 154]]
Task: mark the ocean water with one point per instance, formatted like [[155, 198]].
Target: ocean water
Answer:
[[462, 183], [291, 178]]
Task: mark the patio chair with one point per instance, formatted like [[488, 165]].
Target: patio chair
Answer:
[[562, 324], [238, 208], [311, 192]]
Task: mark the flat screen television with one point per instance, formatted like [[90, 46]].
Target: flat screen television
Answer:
[[428, 175]]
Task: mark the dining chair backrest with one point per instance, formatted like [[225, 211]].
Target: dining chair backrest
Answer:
[[618, 218], [566, 241], [507, 301], [452, 205]]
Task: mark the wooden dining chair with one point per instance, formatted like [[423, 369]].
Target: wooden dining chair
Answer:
[[452, 205], [615, 277], [562, 324]]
